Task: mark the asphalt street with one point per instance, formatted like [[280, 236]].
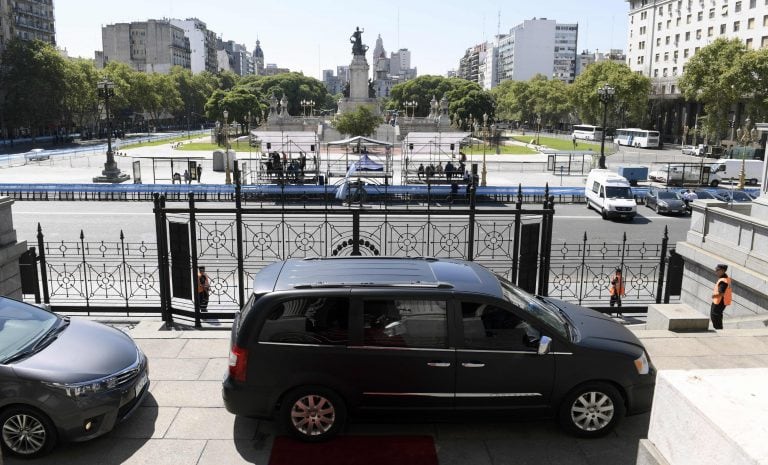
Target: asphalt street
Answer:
[[63, 221]]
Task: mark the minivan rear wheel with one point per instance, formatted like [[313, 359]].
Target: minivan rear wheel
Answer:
[[312, 413], [592, 410], [26, 432]]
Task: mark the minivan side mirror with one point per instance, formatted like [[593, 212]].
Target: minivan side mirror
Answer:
[[544, 344]]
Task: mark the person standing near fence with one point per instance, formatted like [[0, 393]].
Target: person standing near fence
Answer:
[[199, 173], [722, 296], [616, 289], [203, 288]]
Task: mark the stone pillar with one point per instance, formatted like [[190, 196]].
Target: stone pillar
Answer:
[[358, 78], [10, 251]]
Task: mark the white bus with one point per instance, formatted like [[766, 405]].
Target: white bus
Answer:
[[634, 137], [588, 132]]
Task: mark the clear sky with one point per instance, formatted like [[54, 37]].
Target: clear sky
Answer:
[[309, 36]]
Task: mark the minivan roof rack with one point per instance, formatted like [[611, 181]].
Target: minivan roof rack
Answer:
[[326, 285]]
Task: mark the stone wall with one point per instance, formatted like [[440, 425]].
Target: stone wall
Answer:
[[10, 251]]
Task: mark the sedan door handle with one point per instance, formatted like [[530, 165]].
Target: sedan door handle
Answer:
[[472, 365], [439, 364]]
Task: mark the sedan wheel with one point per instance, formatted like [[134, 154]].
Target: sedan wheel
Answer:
[[312, 414], [27, 433], [592, 410]]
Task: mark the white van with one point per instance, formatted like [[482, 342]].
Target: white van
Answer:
[[610, 194], [725, 170]]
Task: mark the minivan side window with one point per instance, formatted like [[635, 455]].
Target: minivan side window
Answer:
[[405, 323], [321, 320], [596, 187], [491, 327]]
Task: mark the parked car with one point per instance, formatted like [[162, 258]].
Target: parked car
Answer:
[[323, 339], [726, 195], [665, 201], [63, 379], [705, 195], [37, 155]]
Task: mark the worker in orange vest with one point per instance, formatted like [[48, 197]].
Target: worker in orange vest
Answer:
[[721, 296], [203, 288], [616, 289]]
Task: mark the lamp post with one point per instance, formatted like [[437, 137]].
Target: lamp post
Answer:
[[605, 94], [111, 173], [228, 177], [538, 129], [307, 104], [746, 135], [485, 143], [412, 105]]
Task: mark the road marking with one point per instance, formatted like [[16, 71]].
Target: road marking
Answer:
[[82, 213]]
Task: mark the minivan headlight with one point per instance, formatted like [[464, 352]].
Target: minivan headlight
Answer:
[[642, 365]]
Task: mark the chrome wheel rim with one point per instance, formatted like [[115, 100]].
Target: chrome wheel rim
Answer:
[[592, 411], [313, 415], [24, 434]]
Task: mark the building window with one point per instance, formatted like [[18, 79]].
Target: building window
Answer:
[[666, 41], [736, 26], [658, 41], [674, 71], [737, 7], [752, 3], [666, 56], [751, 23], [700, 16], [656, 72], [765, 20], [722, 29], [657, 58], [688, 36], [642, 30], [672, 89], [764, 42], [710, 31], [685, 53], [698, 33], [711, 13], [749, 43], [669, 23], [688, 19], [641, 45]]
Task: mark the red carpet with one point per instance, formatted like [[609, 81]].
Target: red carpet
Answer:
[[356, 450]]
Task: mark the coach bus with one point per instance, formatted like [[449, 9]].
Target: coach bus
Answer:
[[634, 137], [587, 131]]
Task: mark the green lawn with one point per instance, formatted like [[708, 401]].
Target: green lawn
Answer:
[[206, 146], [477, 149], [559, 144], [153, 143]]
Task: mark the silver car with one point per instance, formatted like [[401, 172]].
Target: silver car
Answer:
[[63, 379]]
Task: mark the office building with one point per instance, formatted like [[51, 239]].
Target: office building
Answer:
[[27, 20], [153, 46], [202, 44]]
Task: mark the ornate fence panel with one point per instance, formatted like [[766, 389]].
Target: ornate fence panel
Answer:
[[580, 272]]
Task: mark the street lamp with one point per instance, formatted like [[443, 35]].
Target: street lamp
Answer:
[[605, 94], [410, 104], [538, 129], [307, 104], [111, 173], [228, 178], [746, 136], [485, 143]]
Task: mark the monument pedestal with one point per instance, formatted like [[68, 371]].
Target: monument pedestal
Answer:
[[358, 88]]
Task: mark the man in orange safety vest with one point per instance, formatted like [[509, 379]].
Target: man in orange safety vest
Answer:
[[616, 289], [722, 295]]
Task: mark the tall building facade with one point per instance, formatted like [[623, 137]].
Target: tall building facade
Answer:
[[392, 70], [27, 20], [240, 60], [586, 58], [566, 42], [202, 44], [665, 34], [153, 46], [258, 58]]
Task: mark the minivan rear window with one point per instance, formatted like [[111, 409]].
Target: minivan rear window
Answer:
[[308, 320]]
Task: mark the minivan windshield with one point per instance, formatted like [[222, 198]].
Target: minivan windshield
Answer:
[[613, 192], [535, 307], [21, 327]]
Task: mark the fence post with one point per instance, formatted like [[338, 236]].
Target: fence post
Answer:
[[85, 269], [43, 265], [582, 267], [545, 235], [239, 232], [125, 268], [516, 238], [662, 264], [193, 253], [550, 214], [356, 233], [472, 212]]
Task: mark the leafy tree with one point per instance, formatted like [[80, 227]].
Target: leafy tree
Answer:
[[630, 100], [194, 91], [81, 102], [33, 78], [750, 74], [162, 97], [294, 86], [361, 122], [710, 77], [529, 100]]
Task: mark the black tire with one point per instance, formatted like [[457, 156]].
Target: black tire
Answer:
[[26, 432], [591, 410], [603, 213], [753, 181], [589, 205], [656, 208], [714, 183], [312, 413]]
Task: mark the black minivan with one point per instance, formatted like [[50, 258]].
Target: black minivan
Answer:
[[323, 339]]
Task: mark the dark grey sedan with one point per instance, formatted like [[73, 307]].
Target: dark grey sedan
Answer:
[[62, 378], [665, 201]]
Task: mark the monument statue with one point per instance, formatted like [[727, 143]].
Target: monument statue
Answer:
[[357, 42]]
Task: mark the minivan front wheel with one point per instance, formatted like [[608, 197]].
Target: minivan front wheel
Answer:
[[312, 413], [26, 432], [592, 410]]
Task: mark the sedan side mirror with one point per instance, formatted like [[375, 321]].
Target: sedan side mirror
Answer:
[[544, 344]]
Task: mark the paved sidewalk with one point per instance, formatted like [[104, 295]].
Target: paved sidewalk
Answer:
[[183, 421]]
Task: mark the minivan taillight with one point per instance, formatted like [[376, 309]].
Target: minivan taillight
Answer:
[[238, 362]]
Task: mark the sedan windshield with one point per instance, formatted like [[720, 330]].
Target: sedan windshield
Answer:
[[535, 307], [21, 327], [618, 192]]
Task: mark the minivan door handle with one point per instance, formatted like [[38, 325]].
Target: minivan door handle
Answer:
[[437, 364], [472, 364]]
